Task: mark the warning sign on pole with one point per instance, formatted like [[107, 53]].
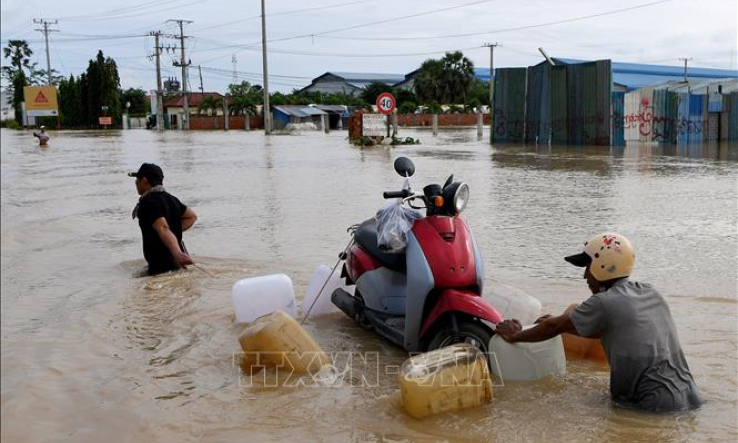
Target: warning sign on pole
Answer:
[[41, 101]]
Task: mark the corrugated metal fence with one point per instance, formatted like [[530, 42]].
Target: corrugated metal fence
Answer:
[[559, 104]]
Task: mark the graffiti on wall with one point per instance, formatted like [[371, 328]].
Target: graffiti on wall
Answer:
[[516, 128], [655, 127]]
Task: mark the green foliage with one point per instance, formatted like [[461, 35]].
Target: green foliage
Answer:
[[243, 98], [10, 124], [446, 80], [407, 108], [373, 90], [137, 98], [18, 73], [81, 100]]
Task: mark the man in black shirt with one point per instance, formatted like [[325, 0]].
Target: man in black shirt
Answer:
[[162, 218]]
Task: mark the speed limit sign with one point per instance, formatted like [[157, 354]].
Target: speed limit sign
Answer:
[[386, 103]]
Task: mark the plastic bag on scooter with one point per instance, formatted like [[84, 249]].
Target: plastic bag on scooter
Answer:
[[393, 222]]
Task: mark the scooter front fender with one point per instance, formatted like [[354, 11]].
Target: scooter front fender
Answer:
[[464, 302]]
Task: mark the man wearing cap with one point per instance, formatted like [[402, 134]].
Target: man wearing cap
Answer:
[[162, 218], [648, 369]]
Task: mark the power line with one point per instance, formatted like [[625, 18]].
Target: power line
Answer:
[[497, 31], [295, 11], [393, 19]]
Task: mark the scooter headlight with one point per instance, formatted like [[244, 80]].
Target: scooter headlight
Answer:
[[461, 197]]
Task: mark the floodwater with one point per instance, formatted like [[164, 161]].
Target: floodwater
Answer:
[[92, 352]]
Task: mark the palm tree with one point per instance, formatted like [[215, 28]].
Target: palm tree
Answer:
[[211, 103], [458, 72]]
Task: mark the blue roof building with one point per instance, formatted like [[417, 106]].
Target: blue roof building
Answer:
[[629, 76]]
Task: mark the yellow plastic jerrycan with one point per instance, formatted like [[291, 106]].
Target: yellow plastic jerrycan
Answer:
[[586, 348], [277, 340], [447, 379]]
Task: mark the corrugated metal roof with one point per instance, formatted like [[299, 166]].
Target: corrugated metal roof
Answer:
[[636, 75], [331, 108], [368, 77], [299, 110]]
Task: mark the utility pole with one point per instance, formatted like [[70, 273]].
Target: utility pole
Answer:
[[235, 72], [46, 31], [199, 68], [491, 47], [159, 93], [685, 60], [266, 110], [184, 64]]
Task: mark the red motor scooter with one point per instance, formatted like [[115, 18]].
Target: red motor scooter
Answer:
[[429, 296]]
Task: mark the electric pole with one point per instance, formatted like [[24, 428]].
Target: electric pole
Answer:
[[46, 31], [235, 72], [184, 64], [491, 47], [199, 69], [266, 110], [685, 60], [159, 93]]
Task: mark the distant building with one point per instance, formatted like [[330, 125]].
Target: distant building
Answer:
[[285, 114], [351, 83], [174, 106], [629, 76]]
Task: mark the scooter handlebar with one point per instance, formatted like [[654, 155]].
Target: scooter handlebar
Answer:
[[397, 194]]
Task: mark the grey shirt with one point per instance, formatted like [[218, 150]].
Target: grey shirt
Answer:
[[647, 365]]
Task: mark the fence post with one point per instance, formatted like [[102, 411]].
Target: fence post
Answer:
[[435, 124], [480, 124], [226, 117]]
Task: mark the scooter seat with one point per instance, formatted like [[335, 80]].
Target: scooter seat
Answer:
[[366, 237]]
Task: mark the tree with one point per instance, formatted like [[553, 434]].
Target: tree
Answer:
[[102, 89], [371, 92], [137, 98], [211, 103], [19, 54], [428, 82], [447, 80], [243, 98], [458, 74]]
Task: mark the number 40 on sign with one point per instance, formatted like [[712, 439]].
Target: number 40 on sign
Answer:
[[386, 103]]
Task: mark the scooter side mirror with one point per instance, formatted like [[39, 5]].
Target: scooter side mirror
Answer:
[[449, 180], [404, 166]]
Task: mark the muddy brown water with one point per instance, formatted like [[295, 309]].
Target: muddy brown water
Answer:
[[92, 352]]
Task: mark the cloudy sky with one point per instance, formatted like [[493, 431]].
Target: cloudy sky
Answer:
[[309, 37]]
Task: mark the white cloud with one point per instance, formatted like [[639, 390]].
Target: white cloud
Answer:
[[704, 30]]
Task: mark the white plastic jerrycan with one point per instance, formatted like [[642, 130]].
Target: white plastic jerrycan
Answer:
[[259, 296], [513, 303], [323, 305], [526, 361]]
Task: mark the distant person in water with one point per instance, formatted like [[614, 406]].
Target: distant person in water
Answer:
[[163, 219], [648, 369], [42, 136]]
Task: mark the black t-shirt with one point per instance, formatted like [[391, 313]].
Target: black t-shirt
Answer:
[[152, 207]]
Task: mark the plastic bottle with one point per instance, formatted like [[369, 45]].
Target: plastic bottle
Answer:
[[323, 305], [277, 340], [443, 380], [258, 296], [526, 361]]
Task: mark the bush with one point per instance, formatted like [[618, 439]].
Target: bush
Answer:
[[10, 124]]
